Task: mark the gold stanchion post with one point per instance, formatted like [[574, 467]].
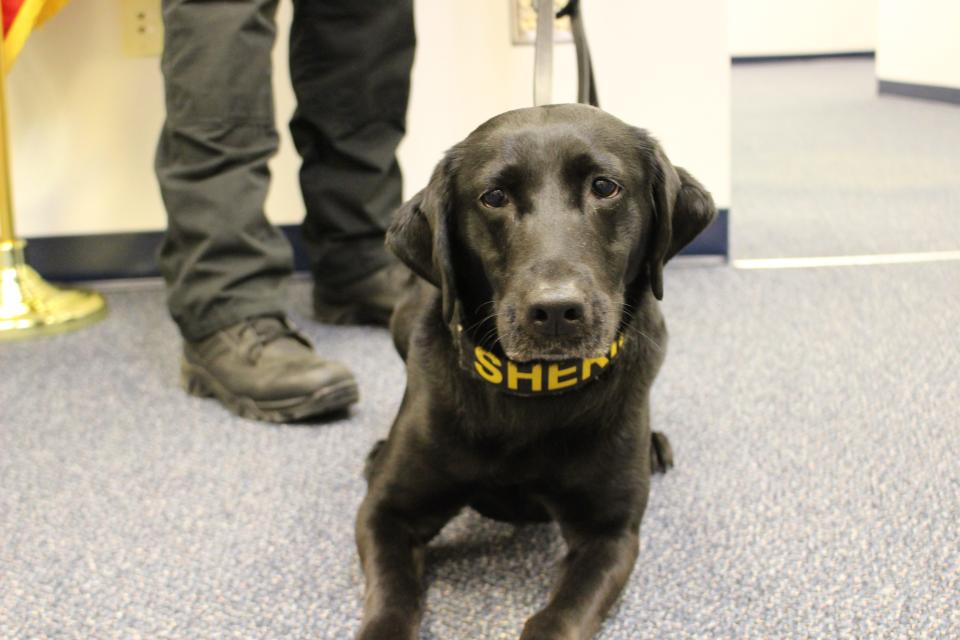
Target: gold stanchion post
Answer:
[[30, 306]]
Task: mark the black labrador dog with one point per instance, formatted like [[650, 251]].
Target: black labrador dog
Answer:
[[531, 339]]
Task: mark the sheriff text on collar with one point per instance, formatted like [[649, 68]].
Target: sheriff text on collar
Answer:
[[540, 377]]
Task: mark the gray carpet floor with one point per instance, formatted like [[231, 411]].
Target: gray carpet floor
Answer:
[[822, 166], [815, 416]]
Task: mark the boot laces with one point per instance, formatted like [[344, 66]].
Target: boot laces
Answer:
[[268, 329]]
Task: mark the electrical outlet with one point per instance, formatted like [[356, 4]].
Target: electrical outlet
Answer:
[[524, 18], [142, 28]]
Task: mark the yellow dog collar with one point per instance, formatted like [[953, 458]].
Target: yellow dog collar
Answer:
[[538, 377]]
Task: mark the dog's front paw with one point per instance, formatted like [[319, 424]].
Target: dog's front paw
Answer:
[[661, 453], [544, 626], [388, 626]]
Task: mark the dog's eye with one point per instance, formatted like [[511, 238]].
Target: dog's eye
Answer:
[[494, 198], [605, 188]]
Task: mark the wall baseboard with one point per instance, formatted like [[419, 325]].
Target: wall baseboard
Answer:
[[924, 91], [134, 255], [110, 256], [714, 240], [802, 56]]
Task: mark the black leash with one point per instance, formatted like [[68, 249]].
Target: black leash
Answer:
[[543, 57]]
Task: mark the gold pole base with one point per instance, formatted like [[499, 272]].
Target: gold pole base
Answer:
[[30, 306]]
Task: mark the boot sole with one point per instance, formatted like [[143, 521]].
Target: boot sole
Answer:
[[198, 382]]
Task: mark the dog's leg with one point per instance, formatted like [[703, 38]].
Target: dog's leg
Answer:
[[661, 453], [395, 522], [393, 567], [369, 467], [593, 574]]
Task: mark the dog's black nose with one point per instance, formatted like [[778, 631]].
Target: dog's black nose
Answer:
[[556, 314]]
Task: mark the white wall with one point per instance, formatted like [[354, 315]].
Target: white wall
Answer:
[[83, 124], [919, 42], [792, 27], [85, 119]]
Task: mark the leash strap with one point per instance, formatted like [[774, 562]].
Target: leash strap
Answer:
[[543, 55]]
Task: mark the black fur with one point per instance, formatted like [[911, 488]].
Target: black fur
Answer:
[[582, 458]]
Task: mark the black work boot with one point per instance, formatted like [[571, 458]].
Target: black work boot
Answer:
[[263, 368], [369, 300]]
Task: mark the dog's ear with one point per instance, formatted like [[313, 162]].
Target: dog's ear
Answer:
[[682, 208], [410, 238], [420, 233]]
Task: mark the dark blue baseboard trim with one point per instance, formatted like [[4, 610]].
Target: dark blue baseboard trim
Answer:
[[95, 257], [714, 240], [802, 56], [924, 91], [109, 256], [134, 255]]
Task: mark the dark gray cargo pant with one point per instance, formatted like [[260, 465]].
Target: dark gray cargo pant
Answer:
[[350, 63]]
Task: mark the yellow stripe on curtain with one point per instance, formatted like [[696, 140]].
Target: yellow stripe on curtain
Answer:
[[32, 13]]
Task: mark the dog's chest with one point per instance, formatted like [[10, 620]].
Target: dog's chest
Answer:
[[520, 441]]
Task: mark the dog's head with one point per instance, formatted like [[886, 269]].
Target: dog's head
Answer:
[[546, 225]]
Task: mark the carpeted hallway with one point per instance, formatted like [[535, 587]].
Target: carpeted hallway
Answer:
[[815, 416], [822, 166]]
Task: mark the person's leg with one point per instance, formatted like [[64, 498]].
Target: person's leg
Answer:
[[350, 64], [222, 260]]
